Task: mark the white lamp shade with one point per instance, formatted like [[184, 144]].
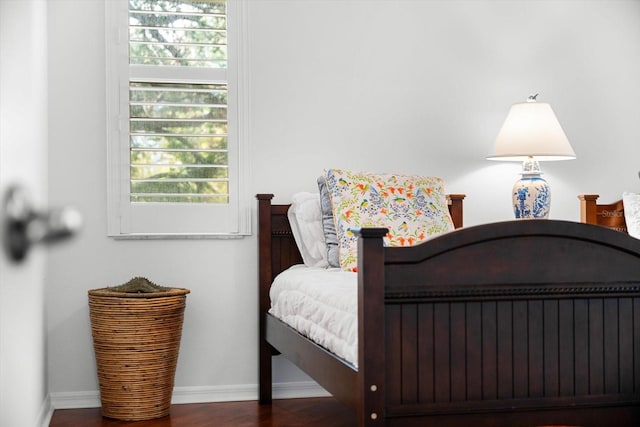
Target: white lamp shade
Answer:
[[531, 129]]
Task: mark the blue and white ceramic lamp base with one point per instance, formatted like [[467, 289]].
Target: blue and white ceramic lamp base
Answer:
[[531, 197]]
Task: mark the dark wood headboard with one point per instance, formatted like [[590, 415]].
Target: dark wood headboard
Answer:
[[605, 215], [277, 248]]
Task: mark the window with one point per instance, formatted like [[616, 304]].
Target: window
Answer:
[[176, 147]]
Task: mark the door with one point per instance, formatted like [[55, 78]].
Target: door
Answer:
[[23, 161]]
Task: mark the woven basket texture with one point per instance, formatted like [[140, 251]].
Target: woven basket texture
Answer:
[[136, 341]]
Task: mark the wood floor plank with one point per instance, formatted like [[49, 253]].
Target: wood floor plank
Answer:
[[282, 413]]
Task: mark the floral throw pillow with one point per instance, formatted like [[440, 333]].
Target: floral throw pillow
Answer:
[[413, 208]]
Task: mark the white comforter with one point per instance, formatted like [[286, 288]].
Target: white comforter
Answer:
[[321, 304]]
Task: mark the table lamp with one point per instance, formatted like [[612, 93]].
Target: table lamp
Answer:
[[531, 133]]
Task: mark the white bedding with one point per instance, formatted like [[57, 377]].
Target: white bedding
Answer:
[[322, 304]]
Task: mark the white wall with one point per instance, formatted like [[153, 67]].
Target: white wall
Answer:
[[410, 86]]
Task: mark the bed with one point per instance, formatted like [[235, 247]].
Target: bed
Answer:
[[518, 323]]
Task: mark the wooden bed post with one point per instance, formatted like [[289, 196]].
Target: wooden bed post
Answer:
[[265, 278], [588, 208], [371, 338], [455, 208]]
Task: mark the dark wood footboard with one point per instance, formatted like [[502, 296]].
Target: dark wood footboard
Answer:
[[521, 323]]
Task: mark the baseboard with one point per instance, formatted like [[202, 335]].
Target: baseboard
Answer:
[[297, 390], [198, 394], [75, 399], [245, 392], [46, 412]]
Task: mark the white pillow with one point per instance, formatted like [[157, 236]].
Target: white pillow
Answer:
[[305, 217], [631, 203]]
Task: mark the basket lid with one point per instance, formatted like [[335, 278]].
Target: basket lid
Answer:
[[109, 292], [138, 287]]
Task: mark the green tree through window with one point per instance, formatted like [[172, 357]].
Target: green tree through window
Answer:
[[178, 129]]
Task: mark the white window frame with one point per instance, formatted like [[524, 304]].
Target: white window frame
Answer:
[[174, 220]]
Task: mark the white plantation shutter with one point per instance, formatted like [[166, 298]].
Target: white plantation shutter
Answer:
[[175, 144], [178, 33], [179, 142]]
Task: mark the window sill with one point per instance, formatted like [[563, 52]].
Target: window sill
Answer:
[[179, 236]]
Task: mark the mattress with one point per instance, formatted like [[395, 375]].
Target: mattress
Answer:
[[321, 304]]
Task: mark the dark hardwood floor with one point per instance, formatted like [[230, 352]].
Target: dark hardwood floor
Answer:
[[316, 412]]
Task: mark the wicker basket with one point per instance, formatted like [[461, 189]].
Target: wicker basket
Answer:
[[136, 338]]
